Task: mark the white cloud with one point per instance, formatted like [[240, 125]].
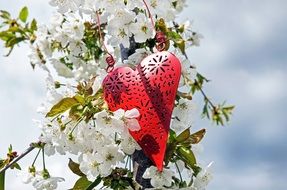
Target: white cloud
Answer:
[[256, 177]]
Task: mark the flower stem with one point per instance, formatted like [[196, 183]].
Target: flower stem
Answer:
[[36, 157], [94, 184], [130, 158], [43, 156], [127, 162], [178, 172], [78, 122]]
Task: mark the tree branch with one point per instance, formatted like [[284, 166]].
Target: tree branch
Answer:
[[205, 96], [27, 151]]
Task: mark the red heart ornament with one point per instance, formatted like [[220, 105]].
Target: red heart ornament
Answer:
[[151, 88]]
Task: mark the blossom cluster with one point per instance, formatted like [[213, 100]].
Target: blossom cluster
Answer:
[[72, 46]]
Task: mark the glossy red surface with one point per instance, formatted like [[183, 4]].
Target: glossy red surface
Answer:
[[151, 88]]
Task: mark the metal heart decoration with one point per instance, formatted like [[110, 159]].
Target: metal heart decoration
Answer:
[[151, 88]]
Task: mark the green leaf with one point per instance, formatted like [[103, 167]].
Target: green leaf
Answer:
[[205, 111], [2, 163], [187, 156], [75, 113], [74, 167], [80, 99], [183, 136], [197, 136], [4, 14], [172, 135], [5, 36], [2, 180], [23, 15], [181, 45], [178, 40], [171, 146], [82, 183], [16, 165], [160, 24], [227, 111], [10, 148], [15, 29], [33, 25], [62, 106], [13, 41], [95, 183]]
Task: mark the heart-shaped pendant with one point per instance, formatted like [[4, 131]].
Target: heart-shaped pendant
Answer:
[[151, 88]]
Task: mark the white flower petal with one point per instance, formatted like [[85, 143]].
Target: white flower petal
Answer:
[[133, 124], [133, 113]]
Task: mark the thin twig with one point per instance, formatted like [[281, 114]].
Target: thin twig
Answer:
[[201, 90], [43, 157], [27, 151], [36, 157], [178, 171], [205, 96]]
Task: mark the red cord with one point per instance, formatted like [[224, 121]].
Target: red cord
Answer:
[[149, 14], [109, 59], [159, 36]]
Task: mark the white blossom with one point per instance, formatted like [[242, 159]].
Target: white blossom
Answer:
[[66, 5], [41, 183], [137, 57], [99, 163], [55, 21], [73, 27], [131, 4], [142, 29], [203, 178], [182, 115], [163, 9], [128, 144], [129, 118], [108, 123], [36, 58], [180, 5], [159, 179], [41, 180], [196, 37], [111, 155], [61, 68], [119, 27]]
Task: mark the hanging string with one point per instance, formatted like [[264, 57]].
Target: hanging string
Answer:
[[109, 59], [159, 36]]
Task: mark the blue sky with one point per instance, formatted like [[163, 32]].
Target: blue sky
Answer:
[[243, 52]]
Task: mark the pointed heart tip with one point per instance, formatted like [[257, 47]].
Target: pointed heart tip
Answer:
[[159, 167]]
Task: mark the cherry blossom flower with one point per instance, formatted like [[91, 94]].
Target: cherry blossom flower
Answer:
[[163, 9], [158, 179], [41, 180], [91, 165], [182, 114], [137, 57], [50, 183], [129, 118], [61, 68], [142, 29], [128, 144], [66, 5], [203, 178]]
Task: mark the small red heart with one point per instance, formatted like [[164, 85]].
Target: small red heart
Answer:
[[151, 88]]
